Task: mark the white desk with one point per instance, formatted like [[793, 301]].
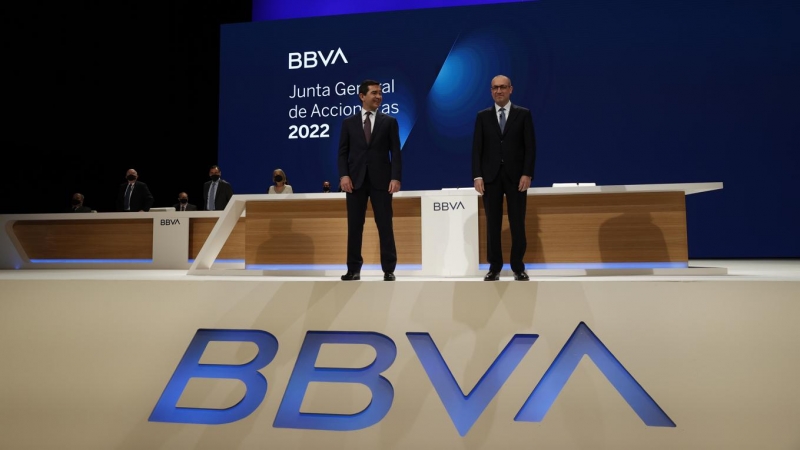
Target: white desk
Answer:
[[449, 230]]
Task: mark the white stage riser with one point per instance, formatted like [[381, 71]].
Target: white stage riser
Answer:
[[84, 363]]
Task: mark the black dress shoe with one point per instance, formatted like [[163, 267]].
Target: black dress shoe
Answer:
[[492, 276], [388, 276], [351, 276], [521, 276]]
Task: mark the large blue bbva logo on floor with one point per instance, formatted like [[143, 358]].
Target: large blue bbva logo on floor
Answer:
[[464, 410]]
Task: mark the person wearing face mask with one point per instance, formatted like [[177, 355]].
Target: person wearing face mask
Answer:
[[134, 195], [77, 204], [281, 185], [183, 203], [326, 187], [216, 191]]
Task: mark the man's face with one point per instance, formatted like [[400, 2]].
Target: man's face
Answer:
[[326, 186], [372, 99], [76, 199], [131, 172], [214, 171], [183, 197], [501, 90]]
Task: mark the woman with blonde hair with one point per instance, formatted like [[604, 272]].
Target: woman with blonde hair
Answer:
[[281, 185]]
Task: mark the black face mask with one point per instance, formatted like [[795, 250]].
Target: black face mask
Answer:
[[130, 177], [183, 200], [326, 188], [214, 177], [278, 178], [76, 202]]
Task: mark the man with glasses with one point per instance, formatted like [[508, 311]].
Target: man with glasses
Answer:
[[503, 157]]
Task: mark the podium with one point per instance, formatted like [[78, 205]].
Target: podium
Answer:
[[438, 233], [441, 233]]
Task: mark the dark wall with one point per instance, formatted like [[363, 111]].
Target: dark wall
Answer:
[[93, 90]]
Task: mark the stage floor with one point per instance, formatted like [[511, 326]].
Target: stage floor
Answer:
[[730, 269], [679, 359]]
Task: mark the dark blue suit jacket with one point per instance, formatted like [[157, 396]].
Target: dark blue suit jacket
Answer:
[[381, 157], [515, 147]]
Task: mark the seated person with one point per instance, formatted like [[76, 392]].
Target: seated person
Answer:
[[77, 204], [183, 203], [281, 185]]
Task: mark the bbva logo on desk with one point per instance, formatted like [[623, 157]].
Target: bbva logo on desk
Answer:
[[447, 206], [464, 410]]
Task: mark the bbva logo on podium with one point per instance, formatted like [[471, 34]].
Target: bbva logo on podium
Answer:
[[464, 410], [447, 206]]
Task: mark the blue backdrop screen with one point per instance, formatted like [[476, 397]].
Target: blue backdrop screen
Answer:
[[621, 93]]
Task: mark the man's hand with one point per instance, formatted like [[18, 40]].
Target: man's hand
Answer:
[[524, 183], [479, 185], [346, 184], [394, 186]]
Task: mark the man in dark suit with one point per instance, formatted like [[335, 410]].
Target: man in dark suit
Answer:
[[216, 191], [134, 195], [77, 204], [183, 203], [370, 168], [503, 157]]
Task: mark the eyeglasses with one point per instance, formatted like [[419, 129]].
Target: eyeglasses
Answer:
[[501, 87]]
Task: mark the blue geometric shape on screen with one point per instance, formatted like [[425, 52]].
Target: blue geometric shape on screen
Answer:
[[584, 342], [408, 111], [462, 86], [405, 120]]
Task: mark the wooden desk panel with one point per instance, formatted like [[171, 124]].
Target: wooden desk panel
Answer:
[[582, 228], [315, 232], [199, 230], [86, 239]]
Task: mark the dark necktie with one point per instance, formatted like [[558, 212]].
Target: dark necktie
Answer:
[[368, 127], [128, 191], [502, 119], [212, 196]]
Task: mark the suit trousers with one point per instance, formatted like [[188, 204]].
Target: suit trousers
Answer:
[[356, 215], [504, 185]]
